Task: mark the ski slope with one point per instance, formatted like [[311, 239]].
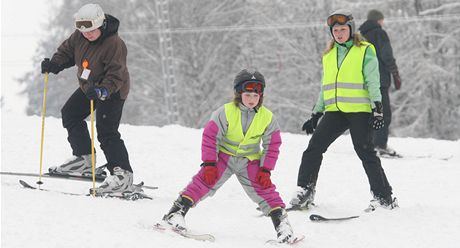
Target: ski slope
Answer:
[[426, 182]]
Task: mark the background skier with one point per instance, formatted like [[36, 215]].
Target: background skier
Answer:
[[374, 33]]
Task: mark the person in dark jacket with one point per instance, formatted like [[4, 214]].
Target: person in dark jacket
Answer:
[[372, 30], [100, 56]]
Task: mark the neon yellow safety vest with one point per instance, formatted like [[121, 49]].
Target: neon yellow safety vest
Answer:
[[237, 144], [343, 88]]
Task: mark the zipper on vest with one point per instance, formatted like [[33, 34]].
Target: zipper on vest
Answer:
[[337, 74]]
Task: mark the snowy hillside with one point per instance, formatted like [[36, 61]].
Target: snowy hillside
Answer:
[[426, 182]]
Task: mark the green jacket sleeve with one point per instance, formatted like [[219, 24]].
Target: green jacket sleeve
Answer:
[[319, 106], [372, 75]]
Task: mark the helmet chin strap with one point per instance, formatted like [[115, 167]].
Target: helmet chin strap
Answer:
[[351, 34]]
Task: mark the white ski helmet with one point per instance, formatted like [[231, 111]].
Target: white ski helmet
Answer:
[[341, 17], [89, 17]]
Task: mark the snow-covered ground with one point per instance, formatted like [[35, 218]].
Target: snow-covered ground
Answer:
[[426, 183]]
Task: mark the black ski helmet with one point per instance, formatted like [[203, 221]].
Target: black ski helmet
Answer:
[[247, 75]]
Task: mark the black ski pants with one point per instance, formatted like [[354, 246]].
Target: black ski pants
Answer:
[[108, 115], [332, 125], [381, 135]]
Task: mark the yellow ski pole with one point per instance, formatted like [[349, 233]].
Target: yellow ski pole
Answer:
[[92, 148], [45, 87]]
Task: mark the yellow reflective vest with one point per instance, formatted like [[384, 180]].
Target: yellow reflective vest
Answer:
[[237, 144], [343, 88]]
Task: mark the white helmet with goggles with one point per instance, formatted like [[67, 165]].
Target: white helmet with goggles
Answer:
[[89, 17], [342, 17]]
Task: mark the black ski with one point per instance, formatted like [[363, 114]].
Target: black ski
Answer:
[[67, 177], [54, 175], [319, 218], [28, 186], [124, 196]]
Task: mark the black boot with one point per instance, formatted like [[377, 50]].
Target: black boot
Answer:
[[387, 202], [176, 215], [283, 229], [303, 198]]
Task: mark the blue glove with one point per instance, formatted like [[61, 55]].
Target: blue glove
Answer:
[[94, 93]]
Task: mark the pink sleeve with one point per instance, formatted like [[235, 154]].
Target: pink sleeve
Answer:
[[271, 155], [209, 142]]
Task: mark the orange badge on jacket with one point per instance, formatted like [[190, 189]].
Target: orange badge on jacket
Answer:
[[85, 64]]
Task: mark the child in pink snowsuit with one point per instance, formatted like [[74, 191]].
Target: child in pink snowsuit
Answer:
[[231, 144]]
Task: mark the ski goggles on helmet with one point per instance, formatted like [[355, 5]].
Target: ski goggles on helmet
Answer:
[[252, 86], [338, 19], [84, 24], [88, 25]]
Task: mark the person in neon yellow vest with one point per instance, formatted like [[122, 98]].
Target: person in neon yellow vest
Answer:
[[350, 99], [231, 144]]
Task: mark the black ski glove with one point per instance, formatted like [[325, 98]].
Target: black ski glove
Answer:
[[377, 116], [93, 93], [50, 66], [310, 125]]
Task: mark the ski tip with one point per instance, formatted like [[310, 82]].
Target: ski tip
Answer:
[[316, 217], [26, 185], [298, 239]]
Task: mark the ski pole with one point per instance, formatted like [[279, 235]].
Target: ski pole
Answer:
[[93, 167], [43, 127]]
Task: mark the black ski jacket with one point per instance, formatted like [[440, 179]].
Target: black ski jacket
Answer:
[[374, 33]]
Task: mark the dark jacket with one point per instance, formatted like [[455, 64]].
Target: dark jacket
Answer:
[[106, 57], [374, 33]]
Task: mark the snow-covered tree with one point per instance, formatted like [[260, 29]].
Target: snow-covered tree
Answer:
[[213, 40]]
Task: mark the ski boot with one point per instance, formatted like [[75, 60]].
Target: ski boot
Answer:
[[283, 229], [303, 198], [118, 184], [387, 152], [175, 218], [75, 166], [382, 202]]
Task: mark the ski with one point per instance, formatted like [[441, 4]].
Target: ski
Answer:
[[319, 218], [28, 186], [54, 175], [132, 196], [66, 177], [390, 156], [124, 196], [426, 156], [292, 208], [98, 177], [294, 241], [288, 209], [186, 234]]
